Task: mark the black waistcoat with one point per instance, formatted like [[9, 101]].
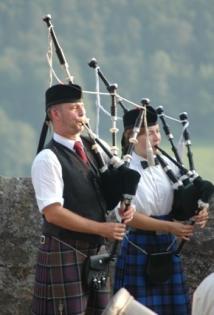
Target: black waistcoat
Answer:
[[81, 193]]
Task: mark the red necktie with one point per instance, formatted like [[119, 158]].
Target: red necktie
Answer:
[[78, 147]]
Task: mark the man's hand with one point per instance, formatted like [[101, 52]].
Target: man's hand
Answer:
[[112, 231]]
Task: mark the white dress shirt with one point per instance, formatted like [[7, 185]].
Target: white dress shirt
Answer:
[[46, 175], [154, 194]]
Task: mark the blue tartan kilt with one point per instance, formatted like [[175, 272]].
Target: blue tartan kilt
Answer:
[[58, 285], [168, 298]]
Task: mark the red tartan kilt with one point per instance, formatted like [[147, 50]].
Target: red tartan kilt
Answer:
[[58, 280]]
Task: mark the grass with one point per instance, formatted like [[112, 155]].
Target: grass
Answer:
[[204, 161]]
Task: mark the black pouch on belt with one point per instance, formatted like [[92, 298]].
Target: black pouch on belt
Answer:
[[96, 271], [159, 267]]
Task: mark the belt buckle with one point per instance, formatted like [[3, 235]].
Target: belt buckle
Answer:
[[42, 239]]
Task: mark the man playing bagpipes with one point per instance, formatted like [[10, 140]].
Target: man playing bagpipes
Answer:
[[66, 180]]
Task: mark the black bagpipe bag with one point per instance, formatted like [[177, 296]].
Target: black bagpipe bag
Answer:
[[117, 182], [185, 204]]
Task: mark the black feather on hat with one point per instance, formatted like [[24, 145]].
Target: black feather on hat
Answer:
[[131, 116], [58, 94]]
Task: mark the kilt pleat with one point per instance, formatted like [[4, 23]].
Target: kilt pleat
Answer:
[[168, 298], [58, 288]]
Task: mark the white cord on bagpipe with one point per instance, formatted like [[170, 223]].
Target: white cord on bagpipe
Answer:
[[99, 107], [149, 150], [98, 103], [117, 95], [49, 56], [181, 141]]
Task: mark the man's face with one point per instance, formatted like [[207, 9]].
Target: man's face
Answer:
[[68, 118]]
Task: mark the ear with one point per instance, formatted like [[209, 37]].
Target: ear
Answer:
[[55, 112]]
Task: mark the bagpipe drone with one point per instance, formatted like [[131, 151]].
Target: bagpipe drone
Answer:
[[192, 192]]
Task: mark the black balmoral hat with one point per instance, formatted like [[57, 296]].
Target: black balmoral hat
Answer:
[[131, 116], [58, 94], [62, 93]]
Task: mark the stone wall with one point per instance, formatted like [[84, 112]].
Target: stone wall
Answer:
[[19, 229], [19, 237]]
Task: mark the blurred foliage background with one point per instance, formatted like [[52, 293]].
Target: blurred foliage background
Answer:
[[160, 49]]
